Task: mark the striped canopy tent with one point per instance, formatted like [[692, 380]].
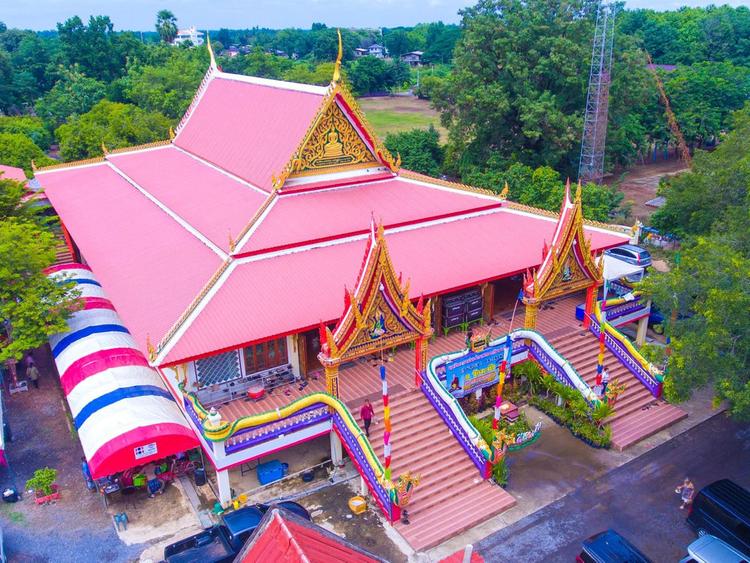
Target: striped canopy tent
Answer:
[[124, 414]]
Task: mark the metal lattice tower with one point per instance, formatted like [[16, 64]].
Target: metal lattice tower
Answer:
[[591, 164]]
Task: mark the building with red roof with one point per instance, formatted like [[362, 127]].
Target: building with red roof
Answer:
[[283, 536], [226, 246], [12, 173]]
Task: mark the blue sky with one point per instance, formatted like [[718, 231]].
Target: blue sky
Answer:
[[213, 14]]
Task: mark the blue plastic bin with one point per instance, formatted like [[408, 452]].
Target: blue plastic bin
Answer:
[[579, 311], [271, 471]]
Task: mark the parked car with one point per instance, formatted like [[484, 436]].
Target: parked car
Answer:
[[610, 547], [710, 549], [221, 543], [722, 509], [631, 254]]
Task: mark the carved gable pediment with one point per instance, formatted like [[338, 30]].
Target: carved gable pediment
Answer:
[[378, 314]]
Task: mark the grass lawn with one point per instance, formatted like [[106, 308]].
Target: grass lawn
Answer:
[[399, 113]]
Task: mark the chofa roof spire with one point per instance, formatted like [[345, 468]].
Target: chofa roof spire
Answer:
[[214, 66], [337, 67]]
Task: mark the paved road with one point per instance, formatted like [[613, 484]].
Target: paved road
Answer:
[[637, 499]]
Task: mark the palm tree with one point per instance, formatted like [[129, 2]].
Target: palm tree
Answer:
[[166, 25]]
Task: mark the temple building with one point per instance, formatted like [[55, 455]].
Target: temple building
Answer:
[[232, 248]]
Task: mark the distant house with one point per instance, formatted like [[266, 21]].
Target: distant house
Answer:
[[232, 51], [377, 51], [665, 68], [413, 58], [190, 34], [360, 52]]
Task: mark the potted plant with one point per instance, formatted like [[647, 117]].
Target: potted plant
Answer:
[[44, 486]]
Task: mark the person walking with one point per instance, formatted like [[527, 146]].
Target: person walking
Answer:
[[33, 374], [87, 474], [367, 413], [686, 491]]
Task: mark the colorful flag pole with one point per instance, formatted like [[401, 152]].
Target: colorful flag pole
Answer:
[[386, 424], [602, 323], [504, 366]]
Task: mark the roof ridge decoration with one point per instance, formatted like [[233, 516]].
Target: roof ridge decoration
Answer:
[[567, 264], [378, 313], [455, 185], [103, 158], [333, 142], [213, 69]]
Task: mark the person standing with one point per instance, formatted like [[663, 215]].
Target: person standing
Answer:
[[33, 374], [605, 381], [367, 413], [686, 492], [87, 474]]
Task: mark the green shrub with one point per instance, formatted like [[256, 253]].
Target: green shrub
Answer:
[[42, 480]]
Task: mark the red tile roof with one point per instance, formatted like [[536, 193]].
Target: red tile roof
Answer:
[[150, 267], [12, 173], [212, 202], [297, 289], [348, 209], [250, 126], [283, 537]]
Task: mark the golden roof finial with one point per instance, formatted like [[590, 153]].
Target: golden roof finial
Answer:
[[150, 349], [33, 165], [214, 66], [232, 242], [506, 189], [578, 192], [105, 152], [171, 134], [337, 67]]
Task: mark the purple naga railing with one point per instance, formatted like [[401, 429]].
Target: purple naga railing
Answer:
[[365, 469], [628, 359], [624, 309], [314, 414], [451, 421], [549, 365]]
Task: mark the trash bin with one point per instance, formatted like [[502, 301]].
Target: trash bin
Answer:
[[200, 476], [10, 494]]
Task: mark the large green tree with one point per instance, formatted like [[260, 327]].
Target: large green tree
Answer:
[[114, 124], [518, 86], [32, 306], [166, 25], [73, 94], [420, 150], [16, 149]]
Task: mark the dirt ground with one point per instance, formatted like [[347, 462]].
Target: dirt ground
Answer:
[[640, 182]]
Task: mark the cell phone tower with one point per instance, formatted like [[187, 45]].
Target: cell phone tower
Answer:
[[591, 164]]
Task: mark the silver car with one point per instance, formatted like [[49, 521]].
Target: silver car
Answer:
[[710, 549]]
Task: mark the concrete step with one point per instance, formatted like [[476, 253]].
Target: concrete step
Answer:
[[634, 429]]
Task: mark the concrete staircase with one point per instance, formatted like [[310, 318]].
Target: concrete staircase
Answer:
[[637, 413], [451, 496], [62, 252]]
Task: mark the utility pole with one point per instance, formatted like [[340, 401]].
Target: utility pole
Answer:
[[591, 163]]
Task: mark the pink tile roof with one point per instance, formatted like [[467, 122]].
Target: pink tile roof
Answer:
[[316, 215], [150, 267], [249, 129], [299, 289], [210, 201], [12, 173]]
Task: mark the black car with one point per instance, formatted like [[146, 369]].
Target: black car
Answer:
[[610, 547], [722, 509], [221, 543]]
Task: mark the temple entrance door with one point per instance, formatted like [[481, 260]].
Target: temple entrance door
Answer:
[[506, 293], [312, 349]]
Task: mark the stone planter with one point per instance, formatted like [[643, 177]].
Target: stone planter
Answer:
[[41, 498]]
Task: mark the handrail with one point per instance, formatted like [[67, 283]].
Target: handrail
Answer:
[[455, 418], [344, 424], [623, 349]]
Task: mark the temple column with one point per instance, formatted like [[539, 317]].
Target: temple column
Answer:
[[590, 296], [225, 490], [292, 351], [488, 301], [332, 380], [337, 454], [640, 335], [530, 317]]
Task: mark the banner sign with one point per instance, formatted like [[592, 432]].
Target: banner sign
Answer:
[[473, 371]]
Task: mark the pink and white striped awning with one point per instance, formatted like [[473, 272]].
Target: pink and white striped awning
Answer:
[[123, 412]]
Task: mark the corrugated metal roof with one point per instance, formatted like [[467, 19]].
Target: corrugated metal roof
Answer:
[[12, 173], [211, 202], [285, 293], [150, 267], [251, 130], [315, 215]]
